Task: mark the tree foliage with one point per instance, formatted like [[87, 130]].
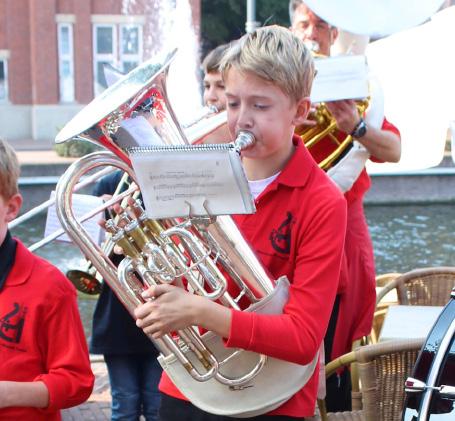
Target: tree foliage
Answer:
[[224, 20]]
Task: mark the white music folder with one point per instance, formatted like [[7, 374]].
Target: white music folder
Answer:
[[340, 77], [192, 180]]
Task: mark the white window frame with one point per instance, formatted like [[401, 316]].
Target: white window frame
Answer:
[[66, 57], [105, 58], [124, 57], [117, 58], [5, 69], [4, 58]]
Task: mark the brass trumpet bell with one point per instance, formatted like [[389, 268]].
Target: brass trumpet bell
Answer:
[[85, 281], [326, 126]]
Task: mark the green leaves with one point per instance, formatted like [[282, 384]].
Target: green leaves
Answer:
[[224, 20]]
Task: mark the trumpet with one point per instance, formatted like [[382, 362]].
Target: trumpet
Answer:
[[87, 279], [326, 125]]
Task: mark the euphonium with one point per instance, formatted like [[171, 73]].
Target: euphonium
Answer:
[[135, 111]]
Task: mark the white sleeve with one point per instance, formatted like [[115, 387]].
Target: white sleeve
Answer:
[[348, 169]]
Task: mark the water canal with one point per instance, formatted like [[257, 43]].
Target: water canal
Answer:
[[404, 237]]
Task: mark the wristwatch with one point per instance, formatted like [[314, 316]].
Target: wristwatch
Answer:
[[359, 130]]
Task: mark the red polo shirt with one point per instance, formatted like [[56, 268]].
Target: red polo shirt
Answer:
[[357, 283], [298, 230], [41, 337]]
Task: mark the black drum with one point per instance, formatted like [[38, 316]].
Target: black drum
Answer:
[[430, 391]]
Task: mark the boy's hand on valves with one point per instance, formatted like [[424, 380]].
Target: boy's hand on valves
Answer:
[[168, 308]]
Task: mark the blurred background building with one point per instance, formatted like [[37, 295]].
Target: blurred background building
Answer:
[[52, 54]]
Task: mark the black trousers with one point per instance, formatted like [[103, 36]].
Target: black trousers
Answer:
[[338, 397], [173, 409]]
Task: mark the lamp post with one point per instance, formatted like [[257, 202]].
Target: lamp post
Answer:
[[251, 23]]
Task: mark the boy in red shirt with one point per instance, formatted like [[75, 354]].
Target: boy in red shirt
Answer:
[[213, 82], [298, 229], [214, 95], [356, 301], [44, 363]]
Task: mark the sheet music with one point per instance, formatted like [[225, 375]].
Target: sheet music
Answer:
[[137, 131], [178, 183], [82, 204], [340, 77]]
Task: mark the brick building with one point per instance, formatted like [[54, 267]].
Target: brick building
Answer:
[[52, 54]]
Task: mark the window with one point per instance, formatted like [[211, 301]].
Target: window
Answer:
[[105, 45], [124, 54], [130, 46], [66, 62], [3, 80]]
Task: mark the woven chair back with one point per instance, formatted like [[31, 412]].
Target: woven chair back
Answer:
[[423, 287], [383, 369]]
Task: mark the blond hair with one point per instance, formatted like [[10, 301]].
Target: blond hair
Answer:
[[274, 54], [9, 170]]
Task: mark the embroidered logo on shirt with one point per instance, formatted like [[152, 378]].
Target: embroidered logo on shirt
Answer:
[[12, 324], [281, 237]]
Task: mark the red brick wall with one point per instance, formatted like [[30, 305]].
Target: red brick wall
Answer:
[[43, 51], [83, 63], [18, 43], [65, 6], [3, 42], [196, 9], [107, 7]]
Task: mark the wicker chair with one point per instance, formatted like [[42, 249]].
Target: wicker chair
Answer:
[[423, 287], [378, 321], [381, 307], [383, 369], [385, 278]]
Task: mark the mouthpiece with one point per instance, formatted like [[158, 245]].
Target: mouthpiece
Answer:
[[206, 112], [244, 140], [312, 45]]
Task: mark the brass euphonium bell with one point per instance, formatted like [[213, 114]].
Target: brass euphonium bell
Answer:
[[135, 111]]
